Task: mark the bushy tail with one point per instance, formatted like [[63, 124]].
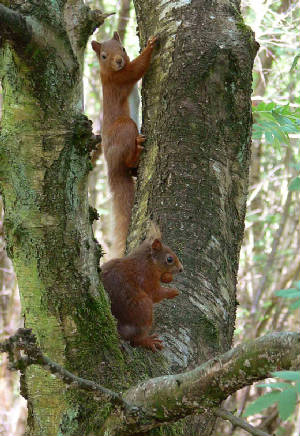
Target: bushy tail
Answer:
[[122, 189]]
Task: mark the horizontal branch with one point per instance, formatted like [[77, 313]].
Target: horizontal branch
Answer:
[[171, 397], [14, 27], [97, 17]]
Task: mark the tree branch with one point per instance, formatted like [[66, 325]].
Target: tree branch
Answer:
[[26, 341], [169, 398], [93, 19], [238, 422], [123, 18], [14, 26]]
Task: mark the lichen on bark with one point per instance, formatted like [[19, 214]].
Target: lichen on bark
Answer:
[[45, 155]]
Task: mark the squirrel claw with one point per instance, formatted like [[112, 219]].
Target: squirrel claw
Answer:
[[156, 343], [140, 139], [151, 342], [151, 41]]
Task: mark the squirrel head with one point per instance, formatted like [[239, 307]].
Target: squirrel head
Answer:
[[164, 258], [111, 54], [162, 255]]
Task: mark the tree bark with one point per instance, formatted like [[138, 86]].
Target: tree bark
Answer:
[[193, 177], [45, 163]]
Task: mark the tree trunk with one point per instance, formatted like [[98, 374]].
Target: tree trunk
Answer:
[[194, 174], [193, 177], [45, 153]]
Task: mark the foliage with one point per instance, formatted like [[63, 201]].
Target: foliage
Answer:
[[275, 123], [291, 293], [282, 393]]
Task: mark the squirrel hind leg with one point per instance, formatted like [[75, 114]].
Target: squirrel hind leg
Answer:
[[151, 342], [127, 331]]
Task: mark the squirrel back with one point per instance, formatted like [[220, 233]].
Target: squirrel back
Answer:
[[133, 285]]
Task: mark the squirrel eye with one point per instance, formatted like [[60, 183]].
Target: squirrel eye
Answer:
[[103, 56], [170, 259]]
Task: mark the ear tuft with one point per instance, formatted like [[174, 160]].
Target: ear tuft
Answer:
[[96, 46], [156, 245], [154, 232], [117, 37]]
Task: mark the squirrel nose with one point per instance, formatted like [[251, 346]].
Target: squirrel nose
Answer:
[[180, 268], [119, 61]]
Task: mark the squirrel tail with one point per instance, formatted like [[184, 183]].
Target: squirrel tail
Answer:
[[122, 189]]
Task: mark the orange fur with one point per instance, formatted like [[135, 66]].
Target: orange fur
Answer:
[[120, 137], [133, 284]]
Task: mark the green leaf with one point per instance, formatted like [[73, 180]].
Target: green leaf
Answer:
[[287, 375], [262, 403], [295, 184], [287, 403], [297, 386], [288, 293], [269, 137], [275, 385]]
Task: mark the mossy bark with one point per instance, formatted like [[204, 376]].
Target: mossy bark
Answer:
[[45, 163]]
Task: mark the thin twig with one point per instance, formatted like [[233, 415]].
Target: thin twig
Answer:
[[25, 340], [225, 414]]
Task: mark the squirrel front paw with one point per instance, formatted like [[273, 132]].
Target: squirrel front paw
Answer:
[[172, 293], [140, 139], [151, 41]]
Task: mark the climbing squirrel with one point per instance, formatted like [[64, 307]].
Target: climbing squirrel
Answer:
[[121, 140], [133, 285]]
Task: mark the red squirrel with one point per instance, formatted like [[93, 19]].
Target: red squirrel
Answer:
[[133, 285], [121, 140]]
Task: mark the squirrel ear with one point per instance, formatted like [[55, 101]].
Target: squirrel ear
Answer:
[[117, 36], [156, 245], [96, 46]]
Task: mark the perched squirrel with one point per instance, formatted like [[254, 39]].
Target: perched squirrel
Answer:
[[133, 284], [121, 140]]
